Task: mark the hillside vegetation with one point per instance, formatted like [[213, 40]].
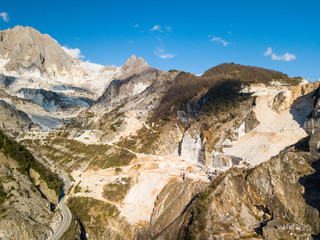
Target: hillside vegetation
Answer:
[[97, 219], [247, 74], [26, 161], [217, 87], [71, 153]]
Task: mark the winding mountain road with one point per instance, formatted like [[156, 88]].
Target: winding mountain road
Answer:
[[66, 214]]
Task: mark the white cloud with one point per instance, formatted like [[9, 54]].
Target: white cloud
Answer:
[[268, 52], [76, 53], [73, 52], [218, 39], [156, 28], [161, 53], [136, 26], [92, 66], [287, 57], [4, 16], [169, 29]]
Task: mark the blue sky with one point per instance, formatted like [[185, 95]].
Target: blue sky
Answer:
[[184, 35]]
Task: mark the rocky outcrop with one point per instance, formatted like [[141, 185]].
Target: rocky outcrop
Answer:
[[52, 101], [136, 76], [49, 194], [298, 97], [12, 119], [197, 143], [6, 81], [193, 145], [122, 91], [169, 141], [312, 123], [171, 202], [139, 92], [56, 221], [34, 66], [24, 214]]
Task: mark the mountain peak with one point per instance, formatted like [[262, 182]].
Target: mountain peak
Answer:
[[134, 65], [25, 47], [134, 61]]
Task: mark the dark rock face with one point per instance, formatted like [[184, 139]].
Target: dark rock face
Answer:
[[312, 123], [251, 121], [311, 182], [52, 101], [68, 87], [6, 81], [110, 94]]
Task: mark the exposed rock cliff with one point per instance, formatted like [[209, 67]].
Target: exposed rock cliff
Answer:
[[312, 123], [12, 118], [49, 194], [192, 145], [52, 101], [24, 214]]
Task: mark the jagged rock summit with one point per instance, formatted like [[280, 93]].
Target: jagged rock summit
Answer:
[[133, 65]]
